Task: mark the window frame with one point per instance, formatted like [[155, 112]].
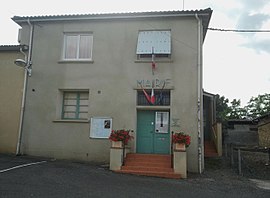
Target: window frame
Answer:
[[77, 105], [142, 101], [78, 35]]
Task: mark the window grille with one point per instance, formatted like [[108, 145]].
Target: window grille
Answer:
[[163, 98]]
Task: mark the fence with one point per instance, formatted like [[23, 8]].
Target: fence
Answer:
[[231, 148]]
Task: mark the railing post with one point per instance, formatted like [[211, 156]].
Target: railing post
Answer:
[[219, 138], [231, 148], [226, 150], [172, 152], [123, 160], [239, 161], [268, 163]]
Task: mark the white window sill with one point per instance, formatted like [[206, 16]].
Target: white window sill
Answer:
[[153, 107], [72, 121], [75, 61], [156, 61]]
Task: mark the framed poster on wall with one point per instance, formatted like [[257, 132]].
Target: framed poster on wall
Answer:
[[100, 127]]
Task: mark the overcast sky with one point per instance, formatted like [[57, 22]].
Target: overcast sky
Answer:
[[236, 65]]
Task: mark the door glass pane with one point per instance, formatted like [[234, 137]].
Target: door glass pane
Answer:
[[162, 122]]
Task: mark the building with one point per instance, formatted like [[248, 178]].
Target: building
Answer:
[[242, 132], [11, 86], [264, 130], [88, 70]]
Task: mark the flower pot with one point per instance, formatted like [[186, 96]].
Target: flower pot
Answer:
[[117, 144], [180, 147]]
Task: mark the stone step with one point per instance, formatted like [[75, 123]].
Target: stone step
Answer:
[[149, 165], [210, 149], [146, 168], [162, 174], [148, 157], [144, 164]]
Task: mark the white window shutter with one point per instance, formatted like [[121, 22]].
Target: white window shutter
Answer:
[[157, 42]]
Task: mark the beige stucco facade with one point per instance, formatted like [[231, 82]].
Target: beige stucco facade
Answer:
[[264, 131], [112, 81], [11, 86]]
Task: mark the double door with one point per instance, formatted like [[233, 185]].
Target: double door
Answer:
[[153, 134]]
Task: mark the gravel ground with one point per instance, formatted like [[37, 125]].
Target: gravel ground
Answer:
[[254, 166]]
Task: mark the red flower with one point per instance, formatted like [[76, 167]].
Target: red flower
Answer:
[[121, 135], [180, 137]]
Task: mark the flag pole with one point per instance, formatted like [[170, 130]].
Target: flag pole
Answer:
[[153, 61]]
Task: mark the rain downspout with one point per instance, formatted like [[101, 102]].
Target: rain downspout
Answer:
[[199, 95], [27, 72]]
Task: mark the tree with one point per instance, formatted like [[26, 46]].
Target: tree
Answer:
[[222, 108], [258, 106], [236, 111]]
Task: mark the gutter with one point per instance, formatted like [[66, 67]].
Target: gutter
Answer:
[[199, 102], [26, 74]]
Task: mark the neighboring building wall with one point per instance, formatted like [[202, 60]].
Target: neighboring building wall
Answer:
[[242, 133], [112, 83], [264, 132], [11, 85]]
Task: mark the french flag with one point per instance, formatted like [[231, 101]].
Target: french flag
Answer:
[[153, 98]]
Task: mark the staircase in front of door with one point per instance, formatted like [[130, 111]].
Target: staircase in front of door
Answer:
[[149, 165]]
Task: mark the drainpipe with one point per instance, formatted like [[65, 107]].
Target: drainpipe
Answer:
[[27, 72], [199, 102]]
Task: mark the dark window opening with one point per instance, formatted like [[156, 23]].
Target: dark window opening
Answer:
[[156, 56], [162, 98]]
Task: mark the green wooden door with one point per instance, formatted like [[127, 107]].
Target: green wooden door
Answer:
[[151, 137]]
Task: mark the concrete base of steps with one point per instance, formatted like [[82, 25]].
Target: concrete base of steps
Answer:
[[169, 175]]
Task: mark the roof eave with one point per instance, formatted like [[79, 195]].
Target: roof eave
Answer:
[[17, 48], [19, 20], [204, 15]]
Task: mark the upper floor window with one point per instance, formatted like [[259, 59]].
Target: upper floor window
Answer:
[[78, 46], [154, 42]]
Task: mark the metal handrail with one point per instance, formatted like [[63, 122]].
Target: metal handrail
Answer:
[[124, 147], [172, 149], [214, 130]]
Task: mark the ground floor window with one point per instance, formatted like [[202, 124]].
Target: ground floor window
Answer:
[[75, 105]]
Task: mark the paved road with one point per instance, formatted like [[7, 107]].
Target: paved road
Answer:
[[64, 179]]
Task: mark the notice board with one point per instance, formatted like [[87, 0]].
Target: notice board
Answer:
[[100, 127]]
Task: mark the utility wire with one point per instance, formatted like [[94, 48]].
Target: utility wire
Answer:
[[235, 30]]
